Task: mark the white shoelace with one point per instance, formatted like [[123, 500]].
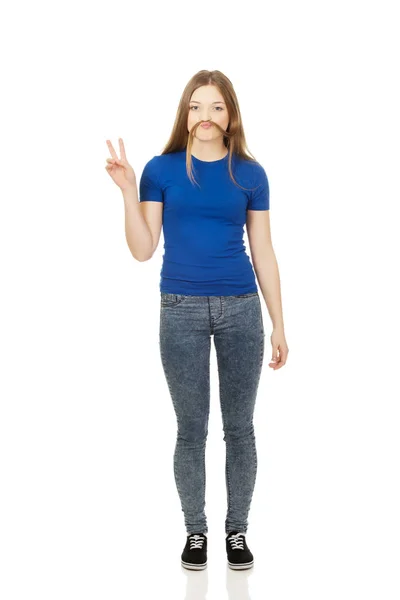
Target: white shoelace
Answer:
[[236, 541], [196, 541]]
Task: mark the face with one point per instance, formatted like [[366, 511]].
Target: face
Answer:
[[207, 104]]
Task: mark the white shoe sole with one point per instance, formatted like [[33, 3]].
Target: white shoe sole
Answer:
[[193, 567], [238, 567]]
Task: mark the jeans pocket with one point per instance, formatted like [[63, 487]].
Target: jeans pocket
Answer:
[[168, 299]]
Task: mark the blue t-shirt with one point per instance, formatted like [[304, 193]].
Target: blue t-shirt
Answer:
[[204, 250]]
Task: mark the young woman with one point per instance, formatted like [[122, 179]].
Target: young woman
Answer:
[[202, 189]]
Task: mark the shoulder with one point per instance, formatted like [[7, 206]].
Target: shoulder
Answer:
[[153, 163], [252, 168], [164, 159], [159, 162], [151, 166], [251, 172]]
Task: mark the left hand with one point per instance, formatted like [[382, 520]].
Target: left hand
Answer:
[[280, 349]]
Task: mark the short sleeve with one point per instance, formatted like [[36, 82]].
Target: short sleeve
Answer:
[[149, 187], [259, 197]]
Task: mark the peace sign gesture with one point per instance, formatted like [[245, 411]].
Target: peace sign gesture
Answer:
[[119, 169]]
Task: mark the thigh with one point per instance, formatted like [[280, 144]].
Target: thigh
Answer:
[[185, 345], [239, 341]]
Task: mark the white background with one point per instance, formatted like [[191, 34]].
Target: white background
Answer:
[[88, 504]]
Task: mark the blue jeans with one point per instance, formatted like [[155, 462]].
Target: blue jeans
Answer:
[[186, 325]]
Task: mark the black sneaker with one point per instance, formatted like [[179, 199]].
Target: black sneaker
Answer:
[[238, 553], [194, 555]]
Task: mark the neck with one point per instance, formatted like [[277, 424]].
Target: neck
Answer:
[[210, 150]]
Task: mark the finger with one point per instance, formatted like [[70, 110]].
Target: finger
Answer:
[[114, 161], [276, 365], [122, 149], [275, 358], [282, 359], [274, 355], [111, 149], [280, 364]]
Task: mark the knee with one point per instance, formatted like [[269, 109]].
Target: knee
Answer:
[[239, 432], [193, 431]]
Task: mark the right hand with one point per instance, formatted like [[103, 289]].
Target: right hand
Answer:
[[119, 169]]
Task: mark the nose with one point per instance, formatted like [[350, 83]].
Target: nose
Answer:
[[204, 118]]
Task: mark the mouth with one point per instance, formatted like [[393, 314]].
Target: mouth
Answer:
[[206, 125]]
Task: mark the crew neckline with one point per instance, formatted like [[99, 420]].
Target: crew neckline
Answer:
[[210, 162]]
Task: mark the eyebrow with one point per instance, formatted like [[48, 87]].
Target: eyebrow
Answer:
[[218, 102]]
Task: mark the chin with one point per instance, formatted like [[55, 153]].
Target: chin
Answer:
[[205, 133]]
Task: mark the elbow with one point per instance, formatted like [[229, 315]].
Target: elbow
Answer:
[[140, 254], [144, 257], [141, 257], [147, 255]]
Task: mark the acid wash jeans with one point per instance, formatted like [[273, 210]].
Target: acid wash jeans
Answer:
[[186, 325]]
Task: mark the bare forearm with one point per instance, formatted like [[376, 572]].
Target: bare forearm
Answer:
[[267, 272], [137, 233]]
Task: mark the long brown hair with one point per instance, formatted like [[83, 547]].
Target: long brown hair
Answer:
[[234, 138]]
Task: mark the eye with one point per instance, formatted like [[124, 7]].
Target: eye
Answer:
[[217, 107]]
